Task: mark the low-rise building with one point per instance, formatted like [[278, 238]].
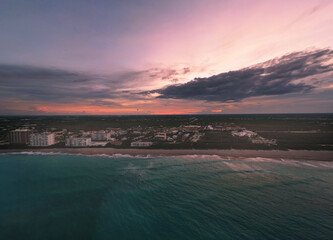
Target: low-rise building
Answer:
[[185, 136], [100, 136], [99, 144], [170, 139], [121, 132], [161, 136], [85, 133], [116, 143], [42, 139], [209, 127], [196, 137], [78, 142], [244, 133], [141, 144], [191, 128]]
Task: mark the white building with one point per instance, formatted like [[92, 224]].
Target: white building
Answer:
[[42, 139], [209, 127], [161, 136], [141, 144], [78, 142], [100, 136], [191, 128], [244, 133], [86, 134], [196, 137], [121, 132]]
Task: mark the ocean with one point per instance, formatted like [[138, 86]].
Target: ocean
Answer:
[[59, 196]]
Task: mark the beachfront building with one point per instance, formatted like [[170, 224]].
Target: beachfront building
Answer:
[[141, 144], [19, 136], [99, 144], [100, 136], [78, 142], [42, 139]]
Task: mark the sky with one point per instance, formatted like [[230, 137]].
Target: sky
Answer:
[[132, 57]]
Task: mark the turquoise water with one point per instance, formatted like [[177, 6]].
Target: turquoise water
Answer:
[[190, 197]]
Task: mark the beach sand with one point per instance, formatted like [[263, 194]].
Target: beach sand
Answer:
[[301, 155]]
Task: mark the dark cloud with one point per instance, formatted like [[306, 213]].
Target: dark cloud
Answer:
[[60, 86], [275, 77], [48, 85], [33, 83]]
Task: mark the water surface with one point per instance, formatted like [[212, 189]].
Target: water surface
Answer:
[[188, 197]]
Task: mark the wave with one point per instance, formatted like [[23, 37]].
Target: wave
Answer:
[[121, 155], [262, 159], [115, 155], [200, 157], [33, 153]]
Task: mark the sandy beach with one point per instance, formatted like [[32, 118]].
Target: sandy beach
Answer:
[[302, 155]]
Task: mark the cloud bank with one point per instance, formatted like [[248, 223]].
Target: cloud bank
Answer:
[[275, 77], [34, 83], [63, 86], [33, 90]]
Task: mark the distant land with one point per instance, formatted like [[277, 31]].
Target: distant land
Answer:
[[218, 132]]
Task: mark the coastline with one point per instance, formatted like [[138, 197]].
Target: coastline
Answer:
[[301, 155]]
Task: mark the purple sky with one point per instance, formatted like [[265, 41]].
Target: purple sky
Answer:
[[165, 57]]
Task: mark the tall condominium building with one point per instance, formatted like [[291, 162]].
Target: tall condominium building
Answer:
[[78, 142], [42, 139], [100, 136], [19, 136]]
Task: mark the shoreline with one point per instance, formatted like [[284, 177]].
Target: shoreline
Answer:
[[303, 155]]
